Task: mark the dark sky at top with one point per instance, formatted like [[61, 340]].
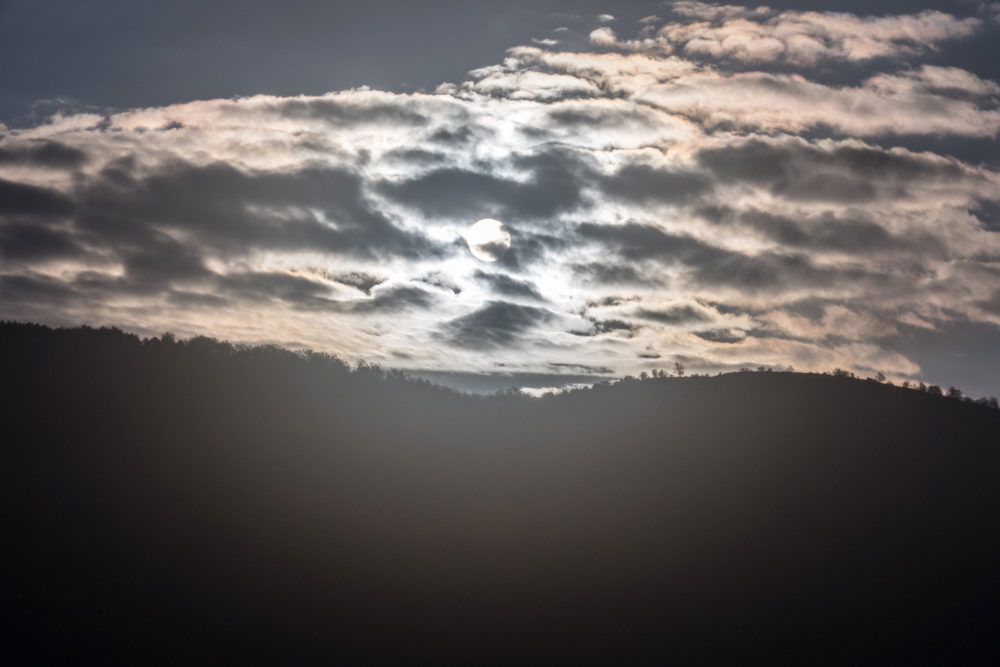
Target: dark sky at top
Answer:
[[134, 53]]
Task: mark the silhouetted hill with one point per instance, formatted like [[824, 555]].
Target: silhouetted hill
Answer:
[[194, 502]]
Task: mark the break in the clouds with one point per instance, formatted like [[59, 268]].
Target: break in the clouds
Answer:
[[726, 186]]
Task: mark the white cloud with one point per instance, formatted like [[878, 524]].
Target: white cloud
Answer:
[[804, 38], [603, 37]]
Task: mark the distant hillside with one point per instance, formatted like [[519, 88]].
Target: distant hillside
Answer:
[[174, 502]]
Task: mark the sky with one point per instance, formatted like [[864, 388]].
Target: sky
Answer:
[[806, 185]]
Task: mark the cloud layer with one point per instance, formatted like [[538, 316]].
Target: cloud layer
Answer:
[[697, 191]]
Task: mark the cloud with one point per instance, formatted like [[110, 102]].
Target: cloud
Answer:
[[603, 37], [614, 274], [227, 208], [843, 173], [504, 285], [641, 183], [534, 86], [724, 336], [855, 234], [41, 153], [391, 300], [496, 324], [551, 187], [24, 241], [30, 200], [805, 38], [609, 326], [638, 241], [296, 290], [912, 102], [682, 314], [33, 290], [359, 280], [715, 266]]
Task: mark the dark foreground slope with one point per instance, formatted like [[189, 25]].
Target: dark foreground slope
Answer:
[[188, 503]]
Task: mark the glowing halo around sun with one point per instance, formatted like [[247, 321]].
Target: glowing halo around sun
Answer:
[[488, 239]]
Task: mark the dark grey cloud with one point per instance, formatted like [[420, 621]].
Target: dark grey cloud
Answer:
[[529, 247], [771, 271], [266, 286], [306, 294], [41, 153], [992, 304], [606, 301], [359, 280], [505, 285], [454, 136], [976, 151], [827, 231], [23, 199], [845, 174], [584, 368], [637, 241], [418, 156], [497, 324], [613, 274], [612, 326], [353, 113], [644, 184], [683, 314], [713, 266], [166, 262], [231, 212], [583, 117], [553, 186], [35, 290], [722, 335], [391, 300], [30, 241], [186, 299], [456, 192], [441, 281], [218, 210]]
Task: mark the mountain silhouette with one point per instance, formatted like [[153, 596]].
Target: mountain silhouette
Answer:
[[179, 502]]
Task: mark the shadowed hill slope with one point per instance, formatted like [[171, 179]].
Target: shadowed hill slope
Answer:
[[169, 502]]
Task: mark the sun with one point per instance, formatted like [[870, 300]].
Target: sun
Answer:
[[488, 239]]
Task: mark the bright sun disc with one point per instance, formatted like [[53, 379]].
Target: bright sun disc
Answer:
[[488, 239]]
